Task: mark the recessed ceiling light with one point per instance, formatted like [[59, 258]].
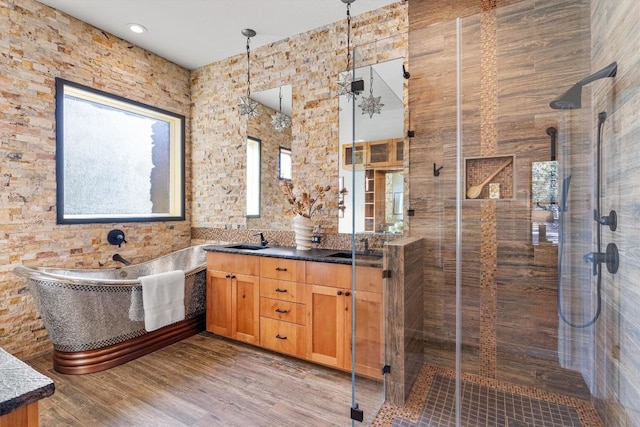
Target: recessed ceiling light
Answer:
[[137, 28]]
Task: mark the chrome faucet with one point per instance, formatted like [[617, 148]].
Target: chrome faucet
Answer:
[[263, 241], [366, 245]]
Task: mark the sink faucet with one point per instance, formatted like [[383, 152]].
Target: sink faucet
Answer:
[[366, 245], [263, 241]]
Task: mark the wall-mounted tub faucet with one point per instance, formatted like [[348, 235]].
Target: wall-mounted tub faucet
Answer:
[[116, 237], [118, 258]]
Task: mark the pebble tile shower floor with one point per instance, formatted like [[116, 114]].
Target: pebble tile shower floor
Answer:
[[485, 402]]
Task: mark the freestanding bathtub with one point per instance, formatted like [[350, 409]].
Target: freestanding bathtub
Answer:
[[93, 315]]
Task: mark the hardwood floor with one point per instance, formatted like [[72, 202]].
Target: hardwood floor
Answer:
[[205, 380]]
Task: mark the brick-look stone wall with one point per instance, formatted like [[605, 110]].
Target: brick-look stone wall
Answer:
[[37, 45], [310, 63]]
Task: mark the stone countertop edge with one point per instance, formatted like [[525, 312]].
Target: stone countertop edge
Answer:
[[20, 384], [318, 255]]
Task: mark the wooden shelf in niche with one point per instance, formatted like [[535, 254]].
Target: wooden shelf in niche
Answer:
[[478, 169]]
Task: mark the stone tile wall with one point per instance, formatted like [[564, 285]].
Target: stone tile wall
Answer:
[[38, 44]]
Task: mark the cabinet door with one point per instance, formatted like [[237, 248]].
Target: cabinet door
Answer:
[[354, 155], [326, 315], [368, 337], [246, 308], [379, 154], [219, 303]]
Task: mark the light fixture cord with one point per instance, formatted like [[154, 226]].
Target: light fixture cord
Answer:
[[348, 36], [280, 96], [248, 70]]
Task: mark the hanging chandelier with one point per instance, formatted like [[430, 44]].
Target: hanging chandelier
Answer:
[[345, 79], [371, 104], [248, 107], [280, 121]]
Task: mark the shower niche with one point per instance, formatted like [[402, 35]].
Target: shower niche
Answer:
[[489, 177]]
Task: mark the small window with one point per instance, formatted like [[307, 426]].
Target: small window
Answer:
[[117, 160], [285, 164], [253, 177]]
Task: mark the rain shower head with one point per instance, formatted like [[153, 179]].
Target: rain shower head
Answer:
[[572, 98]]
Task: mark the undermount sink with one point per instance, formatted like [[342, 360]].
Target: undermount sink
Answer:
[[247, 247], [361, 256]]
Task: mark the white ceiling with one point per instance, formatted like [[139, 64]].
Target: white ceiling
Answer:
[[193, 33]]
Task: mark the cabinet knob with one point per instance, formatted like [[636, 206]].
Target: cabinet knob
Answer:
[[339, 292], [346, 294], [233, 276], [227, 276], [280, 269], [281, 290], [279, 310], [280, 337]]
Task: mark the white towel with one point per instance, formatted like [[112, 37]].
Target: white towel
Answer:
[[162, 299]]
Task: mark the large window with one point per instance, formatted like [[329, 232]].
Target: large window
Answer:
[[117, 160], [253, 177]]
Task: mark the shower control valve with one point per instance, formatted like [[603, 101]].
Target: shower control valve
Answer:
[[610, 258], [611, 220]]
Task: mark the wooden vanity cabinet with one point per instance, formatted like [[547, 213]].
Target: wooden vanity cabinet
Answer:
[[282, 309], [329, 316], [233, 296], [300, 308]]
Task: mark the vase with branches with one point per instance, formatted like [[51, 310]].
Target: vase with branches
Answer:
[[304, 206]]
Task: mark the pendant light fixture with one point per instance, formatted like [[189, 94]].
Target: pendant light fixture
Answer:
[[345, 79], [280, 121], [371, 105], [248, 107]]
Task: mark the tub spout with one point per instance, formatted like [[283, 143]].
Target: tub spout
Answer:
[[118, 257]]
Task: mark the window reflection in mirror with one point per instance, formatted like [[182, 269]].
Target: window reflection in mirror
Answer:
[[253, 177], [285, 172], [544, 194], [371, 153]]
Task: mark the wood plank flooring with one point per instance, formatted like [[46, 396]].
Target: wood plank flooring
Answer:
[[205, 380]]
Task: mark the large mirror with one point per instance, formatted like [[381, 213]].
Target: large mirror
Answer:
[[275, 158], [372, 152]]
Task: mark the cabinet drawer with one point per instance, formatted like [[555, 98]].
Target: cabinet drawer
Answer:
[[282, 290], [283, 337], [328, 274], [282, 310], [281, 268], [339, 276], [237, 263]]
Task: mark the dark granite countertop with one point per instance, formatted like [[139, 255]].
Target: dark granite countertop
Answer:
[[20, 384], [335, 256]]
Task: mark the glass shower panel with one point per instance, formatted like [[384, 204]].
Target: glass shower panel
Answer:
[[515, 60]]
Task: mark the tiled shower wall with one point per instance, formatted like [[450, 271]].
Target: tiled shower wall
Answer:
[[516, 57], [616, 37], [37, 45]]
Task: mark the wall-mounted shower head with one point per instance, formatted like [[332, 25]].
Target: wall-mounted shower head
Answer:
[[572, 98]]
